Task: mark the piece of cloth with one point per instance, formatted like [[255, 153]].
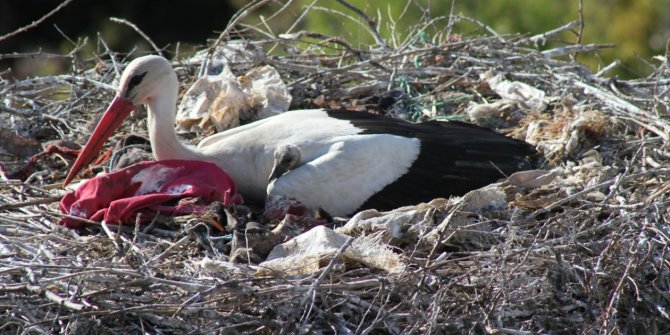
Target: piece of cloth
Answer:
[[171, 187]]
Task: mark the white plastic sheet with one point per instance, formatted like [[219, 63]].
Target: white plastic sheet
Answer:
[[314, 249], [218, 102]]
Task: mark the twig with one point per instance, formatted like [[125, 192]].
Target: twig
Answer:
[[373, 25], [47, 200], [36, 54], [302, 15], [571, 49], [111, 56], [239, 16], [580, 33], [615, 295], [37, 22], [62, 33], [311, 292], [47, 294], [137, 29], [482, 25], [112, 236], [608, 68], [169, 249], [541, 38]]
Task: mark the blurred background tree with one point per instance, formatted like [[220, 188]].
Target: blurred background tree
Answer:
[[639, 29]]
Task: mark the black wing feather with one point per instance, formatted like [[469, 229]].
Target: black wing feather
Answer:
[[455, 158]]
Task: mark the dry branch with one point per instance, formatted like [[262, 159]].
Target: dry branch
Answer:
[[36, 22]]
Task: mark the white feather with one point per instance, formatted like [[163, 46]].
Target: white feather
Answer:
[[353, 169], [247, 152]]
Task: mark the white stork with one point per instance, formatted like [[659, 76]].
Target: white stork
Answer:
[[347, 160]]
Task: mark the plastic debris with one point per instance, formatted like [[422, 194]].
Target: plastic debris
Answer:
[[147, 187], [515, 96], [231, 53], [316, 248], [517, 92], [218, 102]]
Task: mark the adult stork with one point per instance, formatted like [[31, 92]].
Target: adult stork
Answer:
[[347, 160]]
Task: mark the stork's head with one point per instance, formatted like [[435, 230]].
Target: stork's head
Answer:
[[287, 157], [143, 80]]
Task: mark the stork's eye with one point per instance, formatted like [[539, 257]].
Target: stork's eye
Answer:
[[134, 81]]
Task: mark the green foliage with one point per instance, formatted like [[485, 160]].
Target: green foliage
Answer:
[[639, 29]]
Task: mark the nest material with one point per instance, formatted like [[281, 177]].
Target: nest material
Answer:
[[584, 250]]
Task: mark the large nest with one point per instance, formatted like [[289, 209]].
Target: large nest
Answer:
[[580, 246]]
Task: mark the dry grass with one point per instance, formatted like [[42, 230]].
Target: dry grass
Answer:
[[585, 252]]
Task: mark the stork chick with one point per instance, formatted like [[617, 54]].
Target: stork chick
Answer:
[[287, 157]]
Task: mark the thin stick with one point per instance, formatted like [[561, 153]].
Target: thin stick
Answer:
[[543, 36], [137, 29], [113, 237], [580, 33], [35, 23], [608, 68], [241, 14], [373, 25], [167, 251], [574, 49], [48, 295], [40, 201]]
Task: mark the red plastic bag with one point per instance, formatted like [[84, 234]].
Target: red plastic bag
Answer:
[[171, 187]]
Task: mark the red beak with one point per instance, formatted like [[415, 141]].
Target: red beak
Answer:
[[117, 111]]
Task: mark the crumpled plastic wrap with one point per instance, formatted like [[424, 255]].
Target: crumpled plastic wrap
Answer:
[[316, 248], [232, 52], [218, 102], [513, 94], [518, 92]]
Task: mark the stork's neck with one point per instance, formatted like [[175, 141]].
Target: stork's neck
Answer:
[[161, 118]]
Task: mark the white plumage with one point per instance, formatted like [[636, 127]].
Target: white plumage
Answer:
[[351, 170]]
